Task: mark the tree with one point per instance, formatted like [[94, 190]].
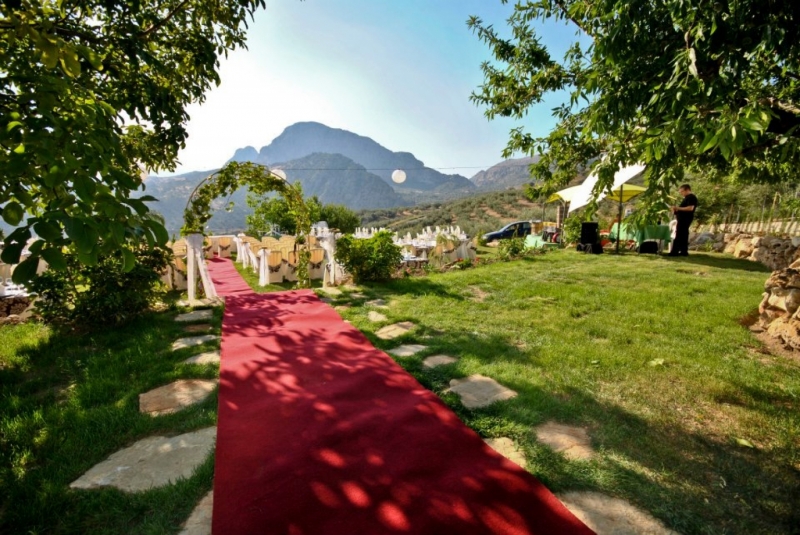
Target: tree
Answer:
[[340, 217], [270, 212], [680, 85], [92, 91]]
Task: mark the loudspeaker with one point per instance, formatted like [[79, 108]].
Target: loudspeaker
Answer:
[[590, 232]]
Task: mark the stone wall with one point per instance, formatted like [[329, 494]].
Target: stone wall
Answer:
[[780, 303], [15, 309], [774, 252]]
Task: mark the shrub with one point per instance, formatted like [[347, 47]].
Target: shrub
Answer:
[[371, 259], [511, 248], [96, 296], [572, 230]]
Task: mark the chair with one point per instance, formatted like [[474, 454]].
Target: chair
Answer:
[[225, 247], [274, 267], [316, 264], [208, 248], [179, 277], [291, 266]]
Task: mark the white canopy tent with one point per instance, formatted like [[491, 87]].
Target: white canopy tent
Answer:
[[584, 195]]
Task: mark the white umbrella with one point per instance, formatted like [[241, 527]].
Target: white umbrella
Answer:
[[582, 197]]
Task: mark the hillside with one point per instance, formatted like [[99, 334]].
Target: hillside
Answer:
[[302, 139], [507, 174], [476, 215]]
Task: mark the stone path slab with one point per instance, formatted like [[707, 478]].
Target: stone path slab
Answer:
[[175, 396], [438, 360], [342, 308], [205, 302], [508, 449], [377, 303], [407, 350], [199, 522], [192, 341], [395, 330], [195, 315], [331, 291], [376, 317], [570, 440], [357, 295], [209, 357], [151, 462], [198, 328], [607, 515], [480, 391]]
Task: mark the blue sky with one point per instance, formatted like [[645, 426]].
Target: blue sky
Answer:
[[398, 71]]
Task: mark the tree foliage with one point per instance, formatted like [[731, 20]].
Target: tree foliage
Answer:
[[679, 85], [90, 91], [273, 213]]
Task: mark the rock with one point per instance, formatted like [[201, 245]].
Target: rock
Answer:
[[175, 396], [718, 247], [705, 237], [198, 328], [479, 391], [12, 319], [787, 330], [377, 303], [606, 515], [199, 522], [192, 341], [395, 330], [438, 360], [151, 462], [195, 315], [571, 441], [376, 317], [743, 249], [407, 350], [784, 299], [209, 357], [508, 449]]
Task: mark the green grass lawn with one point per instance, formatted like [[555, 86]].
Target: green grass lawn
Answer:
[[67, 402], [647, 353]]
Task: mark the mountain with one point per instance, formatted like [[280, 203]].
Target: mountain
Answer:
[[507, 174], [348, 184], [336, 179], [302, 139]]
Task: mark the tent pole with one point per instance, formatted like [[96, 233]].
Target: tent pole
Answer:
[[619, 225]]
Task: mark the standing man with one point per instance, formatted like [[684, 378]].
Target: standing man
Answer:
[[684, 215]]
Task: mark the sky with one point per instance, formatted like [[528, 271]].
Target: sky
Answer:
[[398, 71]]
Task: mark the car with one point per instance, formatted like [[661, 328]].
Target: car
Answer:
[[517, 228]]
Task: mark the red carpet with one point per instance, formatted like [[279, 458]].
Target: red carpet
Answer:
[[319, 433]]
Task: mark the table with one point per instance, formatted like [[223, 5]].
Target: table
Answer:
[[659, 233]]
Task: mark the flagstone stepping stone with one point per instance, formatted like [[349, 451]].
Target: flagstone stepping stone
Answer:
[[195, 315], [209, 357], [438, 360], [326, 300], [357, 295], [377, 303], [151, 462], [606, 515], [394, 330], [572, 441], [192, 341], [479, 391], [200, 327], [407, 350], [205, 302], [199, 522], [508, 449], [342, 308], [331, 291], [175, 396], [376, 317]]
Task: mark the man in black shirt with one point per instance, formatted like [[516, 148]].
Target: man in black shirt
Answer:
[[684, 214]]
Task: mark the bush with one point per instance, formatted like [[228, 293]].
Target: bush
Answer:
[[511, 248], [572, 230], [91, 297], [371, 259]]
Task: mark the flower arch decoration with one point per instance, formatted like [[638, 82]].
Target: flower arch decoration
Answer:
[[261, 180]]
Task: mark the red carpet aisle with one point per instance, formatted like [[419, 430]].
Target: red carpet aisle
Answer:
[[319, 433]]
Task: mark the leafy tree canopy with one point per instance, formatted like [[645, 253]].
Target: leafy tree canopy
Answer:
[[708, 86], [90, 91], [274, 213]]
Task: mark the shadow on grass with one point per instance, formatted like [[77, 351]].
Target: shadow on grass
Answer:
[[75, 402], [719, 262], [693, 482], [417, 286]]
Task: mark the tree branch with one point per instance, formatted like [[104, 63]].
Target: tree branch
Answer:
[[155, 27], [563, 9]]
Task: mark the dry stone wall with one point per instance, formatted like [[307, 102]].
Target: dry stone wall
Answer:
[[780, 303], [772, 251]]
